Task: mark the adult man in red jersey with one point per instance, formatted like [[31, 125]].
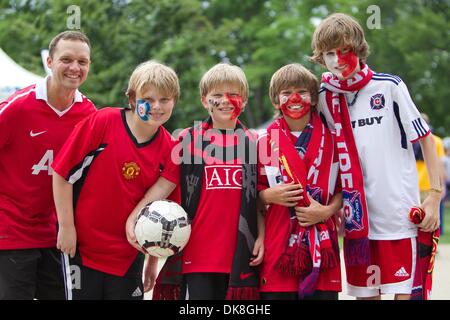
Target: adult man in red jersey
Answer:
[[34, 123]]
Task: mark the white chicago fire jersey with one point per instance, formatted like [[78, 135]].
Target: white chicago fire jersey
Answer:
[[385, 122]]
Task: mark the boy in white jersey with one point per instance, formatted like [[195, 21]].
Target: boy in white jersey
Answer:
[[374, 121]]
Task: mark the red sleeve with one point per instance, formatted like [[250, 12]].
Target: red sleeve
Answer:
[[82, 146]]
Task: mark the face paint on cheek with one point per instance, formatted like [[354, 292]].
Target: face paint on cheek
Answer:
[[213, 103], [236, 102], [350, 59], [143, 109], [295, 99]]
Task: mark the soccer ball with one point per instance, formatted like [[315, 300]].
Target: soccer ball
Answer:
[[162, 228]]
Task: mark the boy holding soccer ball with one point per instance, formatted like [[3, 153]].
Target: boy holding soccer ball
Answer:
[[111, 160], [374, 121]]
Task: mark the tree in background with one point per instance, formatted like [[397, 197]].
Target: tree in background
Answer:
[[260, 36]]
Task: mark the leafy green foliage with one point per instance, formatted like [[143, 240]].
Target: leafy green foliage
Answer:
[[260, 36]]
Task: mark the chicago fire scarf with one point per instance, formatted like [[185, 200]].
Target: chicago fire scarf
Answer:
[[356, 242], [198, 150], [310, 249], [427, 246]]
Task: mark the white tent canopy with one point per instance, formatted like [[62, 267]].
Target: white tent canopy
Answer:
[[13, 76]]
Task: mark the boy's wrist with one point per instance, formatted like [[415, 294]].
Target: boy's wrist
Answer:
[[263, 194], [66, 225], [435, 190]]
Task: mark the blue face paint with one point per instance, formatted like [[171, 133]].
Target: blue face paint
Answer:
[[142, 109]]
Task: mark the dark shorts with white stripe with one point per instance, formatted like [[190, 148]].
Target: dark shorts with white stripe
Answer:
[[90, 284], [28, 274]]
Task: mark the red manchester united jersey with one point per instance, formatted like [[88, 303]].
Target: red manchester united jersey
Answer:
[[111, 172], [31, 134]]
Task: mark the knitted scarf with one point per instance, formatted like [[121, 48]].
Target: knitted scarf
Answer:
[[308, 250], [356, 242], [244, 279], [427, 246]]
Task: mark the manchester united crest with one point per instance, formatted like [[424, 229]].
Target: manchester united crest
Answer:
[[130, 170], [377, 101]]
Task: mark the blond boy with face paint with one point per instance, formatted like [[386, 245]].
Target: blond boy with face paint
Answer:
[[114, 163], [298, 137], [374, 122], [218, 191]]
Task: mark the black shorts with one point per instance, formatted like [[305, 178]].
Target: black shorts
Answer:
[[317, 295], [88, 284], [204, 286], [28, 274]]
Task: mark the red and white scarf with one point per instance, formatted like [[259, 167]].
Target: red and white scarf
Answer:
[[427, 243], [356, 242], [312, 249]]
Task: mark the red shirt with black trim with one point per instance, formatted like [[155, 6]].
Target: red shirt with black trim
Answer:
[[111, 172], [31, 134], [213, 237]]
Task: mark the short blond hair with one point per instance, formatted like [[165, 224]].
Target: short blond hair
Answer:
[[224, 73], [336, 31], [153, 73], [293, 75]]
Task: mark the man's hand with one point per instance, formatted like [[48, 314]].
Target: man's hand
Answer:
[[67, 240]]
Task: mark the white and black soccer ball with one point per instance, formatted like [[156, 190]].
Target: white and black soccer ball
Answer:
[[162, 228]]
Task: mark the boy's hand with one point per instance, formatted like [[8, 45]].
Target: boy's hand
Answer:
[[131, 236], [258, 252], [67, 240], [150, 273], [284, 194], [431, 207], [315, 213]]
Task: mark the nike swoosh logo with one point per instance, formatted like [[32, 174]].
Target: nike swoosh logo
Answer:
[[244, 276], [34, 134]]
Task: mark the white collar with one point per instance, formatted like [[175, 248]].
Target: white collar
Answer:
[[41, 94]]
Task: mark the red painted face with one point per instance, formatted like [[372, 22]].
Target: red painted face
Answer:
[[350, 59], [295, 106], [236, 102]]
